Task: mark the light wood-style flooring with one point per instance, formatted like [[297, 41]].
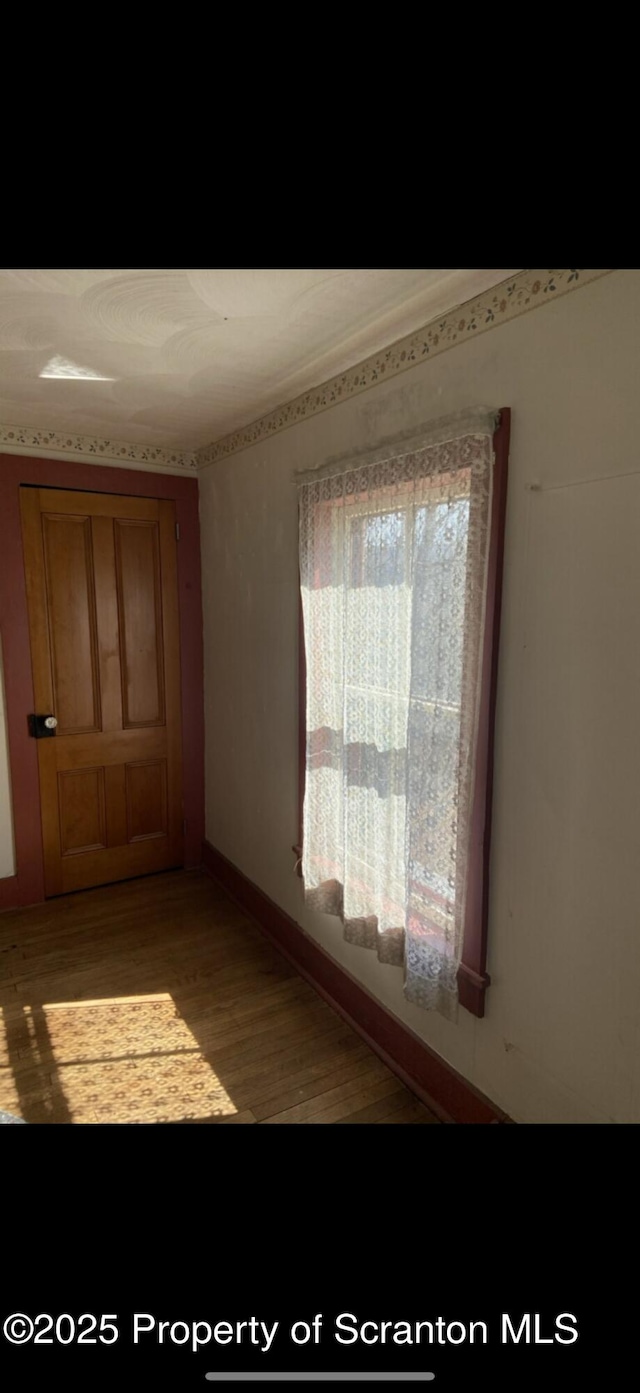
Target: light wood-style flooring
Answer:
[[159, 1000]]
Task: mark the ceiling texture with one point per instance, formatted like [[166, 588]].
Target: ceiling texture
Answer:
[[178, 359]]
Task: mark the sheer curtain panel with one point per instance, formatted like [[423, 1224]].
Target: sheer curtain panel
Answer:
[[393, 563]]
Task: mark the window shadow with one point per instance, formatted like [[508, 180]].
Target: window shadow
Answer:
[[35, 1088]]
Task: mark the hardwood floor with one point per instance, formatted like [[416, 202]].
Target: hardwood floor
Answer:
[[158, 1000]]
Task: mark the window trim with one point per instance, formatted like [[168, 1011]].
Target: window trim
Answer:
[[473, 978]]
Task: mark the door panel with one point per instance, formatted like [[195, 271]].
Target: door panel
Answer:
[[146, 787], [140, 609], [103, 613], [82, 810], [68, 566]]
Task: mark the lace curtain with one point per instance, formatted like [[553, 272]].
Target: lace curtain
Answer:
[[393, 559]]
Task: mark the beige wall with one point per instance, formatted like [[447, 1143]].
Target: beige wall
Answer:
[[7, 861], [561, 1035]]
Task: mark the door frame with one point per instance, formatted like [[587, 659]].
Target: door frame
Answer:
[[27, 885]]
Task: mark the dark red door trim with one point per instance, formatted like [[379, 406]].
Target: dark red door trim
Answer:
[[27, 885]]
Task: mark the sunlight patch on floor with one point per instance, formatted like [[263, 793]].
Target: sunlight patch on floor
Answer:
[[127, 1059]]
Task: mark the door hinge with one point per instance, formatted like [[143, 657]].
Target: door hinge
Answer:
[[177, 532]]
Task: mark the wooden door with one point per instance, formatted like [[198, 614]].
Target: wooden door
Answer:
[[103, 615]]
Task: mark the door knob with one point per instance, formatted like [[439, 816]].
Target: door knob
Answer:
[[41, 726]]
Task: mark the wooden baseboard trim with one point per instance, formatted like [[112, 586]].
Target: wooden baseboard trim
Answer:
[[438, 1086]]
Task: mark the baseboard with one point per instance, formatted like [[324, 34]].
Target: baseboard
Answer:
[[442, 1090]]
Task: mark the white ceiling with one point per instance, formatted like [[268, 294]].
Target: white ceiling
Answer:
[[181, 358]]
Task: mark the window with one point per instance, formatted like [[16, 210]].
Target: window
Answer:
[[400, 565]]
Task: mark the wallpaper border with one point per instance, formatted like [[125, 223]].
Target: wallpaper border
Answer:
[[95, 449], [512, 297]]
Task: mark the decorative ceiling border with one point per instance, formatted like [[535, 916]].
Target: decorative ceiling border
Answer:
[[98, 450], [517, 295]]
